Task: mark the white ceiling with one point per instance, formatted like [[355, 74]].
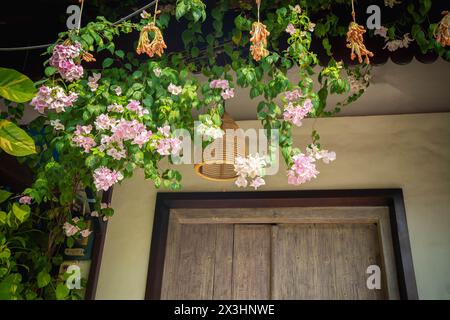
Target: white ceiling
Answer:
[[394, 89]]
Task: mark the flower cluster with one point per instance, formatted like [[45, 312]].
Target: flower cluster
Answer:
[[393, 45], [391, 3], [295, 113], [57, 125], [250, 167], [318, 154], [71, 228], [208, 130], [167, 145], [112, 134], [359, 83], [304, 166], [303, 169], [290, 29], [83, 138], [293, 95], [223, 84], [173, 89], [53, 98], [93, 81], [25, 200], [105, 178], [63, 59]]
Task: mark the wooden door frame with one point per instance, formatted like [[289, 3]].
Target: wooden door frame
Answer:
[[392, 198]]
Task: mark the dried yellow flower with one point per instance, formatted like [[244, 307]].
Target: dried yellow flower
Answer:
[[355, 42], [86, 56], [443, 30], [156, 46], [259, 41]]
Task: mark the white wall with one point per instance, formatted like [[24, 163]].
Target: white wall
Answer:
[[411, 152]]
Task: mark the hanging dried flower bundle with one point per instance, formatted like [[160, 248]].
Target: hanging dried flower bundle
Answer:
[[157, 45], [86, 56], [154, 47], [259, 38], [443, 30], [355, 40]]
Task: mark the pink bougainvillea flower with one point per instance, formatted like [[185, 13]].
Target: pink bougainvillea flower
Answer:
[[115, 108], [116, 154], [87, 143], [70, 230], [303, 169], [94, 214], [83, 129], [53, 98], [295, 114], [382, 32], [293, 95], [103, 122], [135, 106], [85, 233], [290, 29], [105, 178], [173, 89], [241, 182], [157, 72], [93, 81], [25, 200], [118, 90], [142, 137], [227, 94], [297, 9], [62, 59], [219, 84], [324, 155], [168, 146], [104, 205], [257, 182], [165, 131], [57, 125], [250, 167]]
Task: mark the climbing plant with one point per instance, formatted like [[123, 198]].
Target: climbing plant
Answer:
[[106, 111]]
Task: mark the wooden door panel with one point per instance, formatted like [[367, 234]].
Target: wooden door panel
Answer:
[[324, 261], [223, 270], [189, 270], [251, 261]]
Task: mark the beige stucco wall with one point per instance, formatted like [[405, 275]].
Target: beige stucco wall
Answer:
[[411, 152]]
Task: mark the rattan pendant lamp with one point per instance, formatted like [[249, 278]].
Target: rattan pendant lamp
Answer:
[[218, 165]]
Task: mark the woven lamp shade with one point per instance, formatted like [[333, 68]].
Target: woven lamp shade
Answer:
[[218, 165]]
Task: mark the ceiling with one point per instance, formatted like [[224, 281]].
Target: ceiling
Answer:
[[394, 89]]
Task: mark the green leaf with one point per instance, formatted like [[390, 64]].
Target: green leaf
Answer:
[[120, 54], [107, 62], [49, 71], [62, 291], [4, 195], [70, 242], [187, 37], [3, 217], [180, 10], [21, 211], [14, 140], [43, 279], [16, 86]]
